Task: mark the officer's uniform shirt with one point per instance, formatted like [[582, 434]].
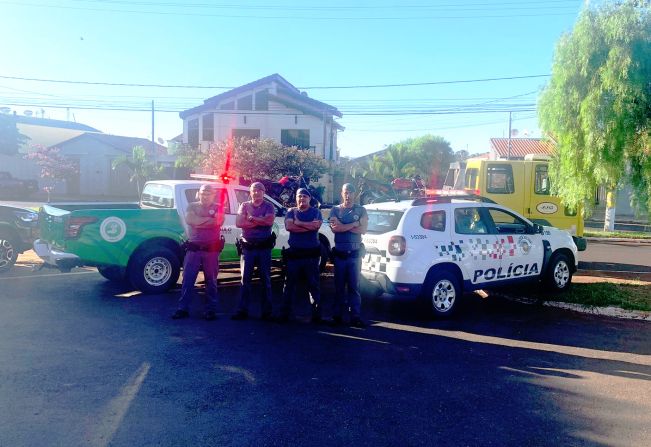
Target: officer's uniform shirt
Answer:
[[204, 234], [307, 239], [348, 240], [258, 233]]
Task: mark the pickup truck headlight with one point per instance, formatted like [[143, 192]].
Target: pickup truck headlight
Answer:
[[27, 216]]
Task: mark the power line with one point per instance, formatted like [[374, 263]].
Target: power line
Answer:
[[413, 84]]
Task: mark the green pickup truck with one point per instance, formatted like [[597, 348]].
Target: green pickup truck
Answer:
[[141, 242]]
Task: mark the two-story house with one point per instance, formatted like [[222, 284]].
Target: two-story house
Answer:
[[272, 108]]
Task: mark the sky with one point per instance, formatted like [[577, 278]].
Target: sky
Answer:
[[469, 63]]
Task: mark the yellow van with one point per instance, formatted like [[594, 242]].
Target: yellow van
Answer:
[[524, 186]]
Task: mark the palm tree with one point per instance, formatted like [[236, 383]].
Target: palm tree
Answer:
[[140, 168]]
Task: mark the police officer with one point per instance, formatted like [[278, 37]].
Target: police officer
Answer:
[[255, 218], [204, 219], [302, 257], [348, 222]]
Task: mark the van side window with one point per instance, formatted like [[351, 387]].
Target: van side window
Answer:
[[468, 221], [541, 180], [500, 179], [434, 221], [470, 181]]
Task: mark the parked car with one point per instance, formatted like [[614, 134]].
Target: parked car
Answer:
[[18, 231], [439, 247], [13, 187]]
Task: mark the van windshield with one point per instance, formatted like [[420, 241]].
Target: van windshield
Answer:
[[380, 221]]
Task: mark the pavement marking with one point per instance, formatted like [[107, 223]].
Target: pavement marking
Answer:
[[46, 275], [638, 359], [354, 338], [111, 418]]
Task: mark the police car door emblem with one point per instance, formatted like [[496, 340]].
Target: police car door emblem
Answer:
[[525, 244]]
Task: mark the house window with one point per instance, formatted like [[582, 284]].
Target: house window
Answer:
[[193, 132], [245, 103], [500, 179], [262, 100], [208, 132], [228, 106], [249, 134], [541, 182], [295, 137]]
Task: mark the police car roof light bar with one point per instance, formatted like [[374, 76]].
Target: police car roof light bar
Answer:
[[215, 178]]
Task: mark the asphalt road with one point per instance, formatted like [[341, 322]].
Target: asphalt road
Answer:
[[84, 362], [626, 256]]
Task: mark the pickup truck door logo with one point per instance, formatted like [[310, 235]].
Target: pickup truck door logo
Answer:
[[112, 229]]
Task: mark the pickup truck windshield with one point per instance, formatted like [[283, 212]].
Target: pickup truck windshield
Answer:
[[157, 196]]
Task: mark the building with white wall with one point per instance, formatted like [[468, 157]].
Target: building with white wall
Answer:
[[271, 108]]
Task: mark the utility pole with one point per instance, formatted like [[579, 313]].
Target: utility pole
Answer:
[[509, 155]]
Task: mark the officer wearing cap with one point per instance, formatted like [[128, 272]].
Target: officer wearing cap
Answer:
[[348, 222], [204, 219], [255, 218], [302, 257]]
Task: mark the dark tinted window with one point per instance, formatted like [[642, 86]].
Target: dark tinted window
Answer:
[[507, 223], [434, 220], [470, 181], [245, 103], [208, 125], [469, 221], [295, 137], [541, 180]]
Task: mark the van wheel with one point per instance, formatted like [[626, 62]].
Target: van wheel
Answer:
[[154, 270], [559, 273], [112, 273], [443, 293], [8, 251]]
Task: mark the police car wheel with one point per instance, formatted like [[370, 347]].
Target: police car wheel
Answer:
[[443, 293], [8, 251], [559, 273], [154, 270]]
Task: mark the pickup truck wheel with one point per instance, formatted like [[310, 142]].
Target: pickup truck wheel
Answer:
[[112, 273], [442, 292], [8, 251], [559, 273], [154, 270]]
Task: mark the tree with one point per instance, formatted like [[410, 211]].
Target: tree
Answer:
[[597, 105], [253, 159], [10, 137], [53, 165], [139, 166], [429, 156]]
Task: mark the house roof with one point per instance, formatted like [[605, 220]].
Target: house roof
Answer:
[[521, 147], [285, 93], [121, 143], [46, 122]]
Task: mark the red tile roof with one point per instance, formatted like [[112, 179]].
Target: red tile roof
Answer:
[[521, 147]]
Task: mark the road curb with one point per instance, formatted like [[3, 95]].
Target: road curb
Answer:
[[618, 239], [609, 311]]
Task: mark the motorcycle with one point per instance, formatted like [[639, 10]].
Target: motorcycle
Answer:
[[284, 190]]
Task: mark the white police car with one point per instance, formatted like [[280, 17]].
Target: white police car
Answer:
[[444, 245]]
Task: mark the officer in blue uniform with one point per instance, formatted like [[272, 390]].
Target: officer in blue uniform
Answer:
[[255, 218], [348, 222], [302, 257], [204, 219]]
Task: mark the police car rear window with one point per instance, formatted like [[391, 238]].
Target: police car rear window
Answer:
[[380, 221], [156, 195]]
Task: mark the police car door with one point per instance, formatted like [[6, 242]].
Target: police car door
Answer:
[[473, 247], [521, 250]]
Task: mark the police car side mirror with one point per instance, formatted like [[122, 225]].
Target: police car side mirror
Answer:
[[537, 229]]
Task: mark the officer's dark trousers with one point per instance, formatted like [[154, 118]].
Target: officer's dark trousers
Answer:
[[347, 272], [261, 257], [301, 268], [191, 264]]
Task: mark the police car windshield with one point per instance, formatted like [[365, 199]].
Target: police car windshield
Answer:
[[380, 221]]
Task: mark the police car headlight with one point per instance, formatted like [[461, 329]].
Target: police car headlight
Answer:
[[397, 246]]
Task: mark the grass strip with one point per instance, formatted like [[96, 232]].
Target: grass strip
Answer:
[[618, 234], [626, 296]]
